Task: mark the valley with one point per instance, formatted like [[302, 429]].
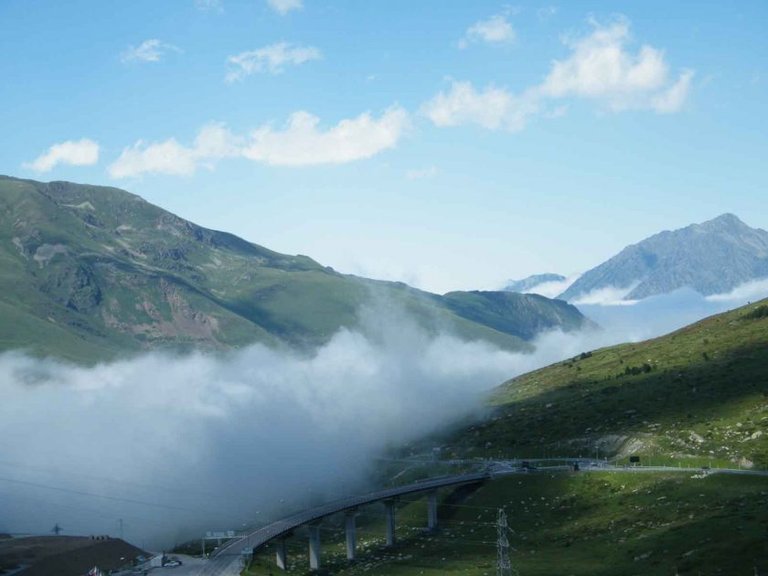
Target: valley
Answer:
[[338, 288]]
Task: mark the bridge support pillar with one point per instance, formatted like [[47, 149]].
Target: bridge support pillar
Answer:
[[314, 546], [351, 534], [432, 511], [389, 505], [281, 554]]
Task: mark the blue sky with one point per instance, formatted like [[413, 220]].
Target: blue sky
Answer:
[[451, 145]]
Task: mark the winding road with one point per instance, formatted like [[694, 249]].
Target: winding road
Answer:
[[227, 560]]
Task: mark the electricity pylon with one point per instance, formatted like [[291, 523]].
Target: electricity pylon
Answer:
[[503, 563]]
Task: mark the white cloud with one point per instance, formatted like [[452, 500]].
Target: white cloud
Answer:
[[206, 5], [675, 96], [82, 152], [282, 7], [749, 291], [422, 173], [152, 50], [299, 143], [608, 296], [126, 432], [213, 142], [600, 68], [494, 30], [168, 157], [553, 288], [492, 108], [273, 59]]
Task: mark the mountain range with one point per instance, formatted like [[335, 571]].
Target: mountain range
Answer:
[[89, 273], [713, 257]]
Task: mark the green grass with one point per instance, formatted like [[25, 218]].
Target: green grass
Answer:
[[698, 393], [697, 397], [595, 524], [122, 275]]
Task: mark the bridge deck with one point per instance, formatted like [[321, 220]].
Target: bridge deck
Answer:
[[260, 537]]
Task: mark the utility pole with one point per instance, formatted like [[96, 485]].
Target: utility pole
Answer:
[[503, 563], [57, 529]]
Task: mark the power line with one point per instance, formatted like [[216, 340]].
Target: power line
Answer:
[[15, 465], [104, 496]]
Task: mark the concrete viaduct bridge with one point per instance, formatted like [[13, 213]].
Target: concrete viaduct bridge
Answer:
[[229, 554], [226, 560]]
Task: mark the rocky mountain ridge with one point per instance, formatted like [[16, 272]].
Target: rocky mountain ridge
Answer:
[[713, 257]]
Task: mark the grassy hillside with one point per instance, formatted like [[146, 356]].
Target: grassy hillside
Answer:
[[700, 392], [524, 317], [581, 524], [90, 272], [699, 396]]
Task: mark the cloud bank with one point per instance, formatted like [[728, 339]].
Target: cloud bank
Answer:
[[175, 446], [749, 291], [608, 296], [656, 315], [178, 445]]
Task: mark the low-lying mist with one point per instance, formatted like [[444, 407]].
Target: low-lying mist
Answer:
[[656, 315], [177, 445]]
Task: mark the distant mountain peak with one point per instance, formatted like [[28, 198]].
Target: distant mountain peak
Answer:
[[728, 217], [724, 221], [531, 282], [712, 257]]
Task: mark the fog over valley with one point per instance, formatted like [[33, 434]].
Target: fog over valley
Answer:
[[175, 445], [383, 288]]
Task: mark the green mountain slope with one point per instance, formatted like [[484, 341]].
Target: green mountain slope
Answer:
[[89, 273], [579, 524], [524, 315], [698, 396], [700, 392]]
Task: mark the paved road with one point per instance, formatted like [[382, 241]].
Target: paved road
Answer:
[[227, 561], [501, 467], [231, 552], [191, 566]]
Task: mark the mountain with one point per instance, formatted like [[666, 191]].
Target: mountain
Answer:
[[530, 282], [697, 397], [90, 273], [697, 393], [524, 315], [711, 258]]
